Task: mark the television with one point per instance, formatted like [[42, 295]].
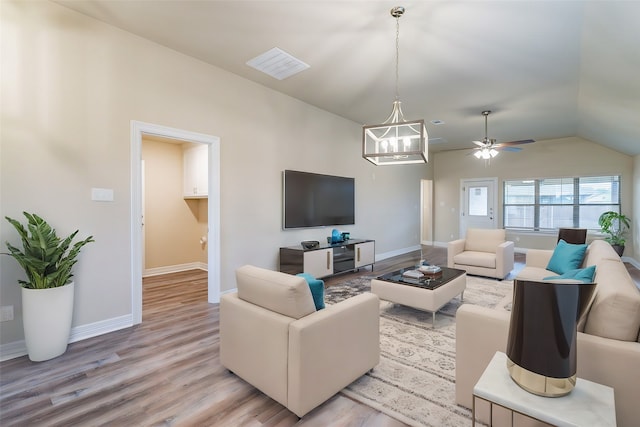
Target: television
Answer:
[[316, 200]]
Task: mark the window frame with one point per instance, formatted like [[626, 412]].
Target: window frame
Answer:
[[576, 204]]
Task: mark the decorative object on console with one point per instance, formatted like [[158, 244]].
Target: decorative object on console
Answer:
[[336, 236], [310, 244], [541, 345], [396, 141]]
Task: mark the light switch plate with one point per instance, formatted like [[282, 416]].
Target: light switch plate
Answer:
[[102, 194]]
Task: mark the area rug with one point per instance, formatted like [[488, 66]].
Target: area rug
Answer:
[[415, 380]]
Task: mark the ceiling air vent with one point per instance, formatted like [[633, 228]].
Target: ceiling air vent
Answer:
[[277, 63]]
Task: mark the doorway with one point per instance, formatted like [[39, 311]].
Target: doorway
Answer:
[[138, 130], [478, 204], [174, 222], [426, 218]]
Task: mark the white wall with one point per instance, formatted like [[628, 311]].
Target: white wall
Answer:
[[70, 87], [635, 223], [564, 157]]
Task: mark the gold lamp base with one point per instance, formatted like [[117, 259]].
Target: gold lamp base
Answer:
[[539, 384]]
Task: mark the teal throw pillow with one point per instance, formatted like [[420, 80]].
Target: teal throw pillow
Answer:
[[583, 274], [316, 287], [566, 257]]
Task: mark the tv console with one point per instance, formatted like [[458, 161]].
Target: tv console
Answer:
[[329, 258]]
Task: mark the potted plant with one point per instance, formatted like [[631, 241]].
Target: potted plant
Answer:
[[47, 294], [615, 225]]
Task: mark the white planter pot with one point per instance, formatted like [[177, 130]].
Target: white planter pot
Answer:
[[46, 317]]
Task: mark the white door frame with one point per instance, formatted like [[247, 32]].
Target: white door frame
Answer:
[[464, 183], [213, 234]]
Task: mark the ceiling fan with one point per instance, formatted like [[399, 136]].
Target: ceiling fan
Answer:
[[488, 148]]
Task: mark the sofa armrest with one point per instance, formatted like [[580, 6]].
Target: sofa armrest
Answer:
[[247, 330], [538, 258], [616, 364], [504, 259], [454, 247], [331, 348], [480, 332]]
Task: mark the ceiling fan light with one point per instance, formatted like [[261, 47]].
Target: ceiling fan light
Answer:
[[478, 154], [493, 152]]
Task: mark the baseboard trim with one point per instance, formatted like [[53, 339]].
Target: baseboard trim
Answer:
[[631, 261], [385, 255], [16, 349], [156, 271]]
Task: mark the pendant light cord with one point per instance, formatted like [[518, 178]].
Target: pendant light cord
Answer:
[[397, 56]]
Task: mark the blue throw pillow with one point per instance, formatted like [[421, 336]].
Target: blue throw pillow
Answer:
[[317, 289], [583, 274], [566, 257]]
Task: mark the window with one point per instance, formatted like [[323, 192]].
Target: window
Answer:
[[552, 203]]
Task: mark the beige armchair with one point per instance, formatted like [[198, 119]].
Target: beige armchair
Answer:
[[484, 252], [272, 337]]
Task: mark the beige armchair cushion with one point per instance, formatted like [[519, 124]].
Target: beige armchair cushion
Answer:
[[280, 292], [479, 259], [484, 240]]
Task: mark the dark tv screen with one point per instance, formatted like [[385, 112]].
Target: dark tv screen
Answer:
[[315, 200]]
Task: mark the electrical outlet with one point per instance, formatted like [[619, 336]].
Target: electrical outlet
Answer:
[[6, 313]]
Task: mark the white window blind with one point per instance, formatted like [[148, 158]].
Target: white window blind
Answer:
[[552, 203]]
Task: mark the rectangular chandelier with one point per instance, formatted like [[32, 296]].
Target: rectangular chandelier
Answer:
[[397, 143]]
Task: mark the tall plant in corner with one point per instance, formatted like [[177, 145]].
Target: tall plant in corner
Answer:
[[47, 292], [615, 225]]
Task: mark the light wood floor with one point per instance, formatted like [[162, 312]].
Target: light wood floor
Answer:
[[166, 371]]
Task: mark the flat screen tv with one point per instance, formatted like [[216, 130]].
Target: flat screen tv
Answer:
[[315, 200]]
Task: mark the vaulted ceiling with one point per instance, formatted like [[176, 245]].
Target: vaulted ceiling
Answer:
[[546, 69]]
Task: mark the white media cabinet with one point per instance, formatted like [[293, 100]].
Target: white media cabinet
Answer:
[[329, 258]]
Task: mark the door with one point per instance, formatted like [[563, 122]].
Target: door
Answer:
[[479, 204]]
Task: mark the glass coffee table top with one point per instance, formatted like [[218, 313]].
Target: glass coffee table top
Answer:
[[427, 281]]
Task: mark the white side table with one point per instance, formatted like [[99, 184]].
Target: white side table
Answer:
[[589, 404]]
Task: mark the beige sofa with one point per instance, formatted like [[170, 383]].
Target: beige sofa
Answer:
[[608, 343], [272, 337], [483, 252]]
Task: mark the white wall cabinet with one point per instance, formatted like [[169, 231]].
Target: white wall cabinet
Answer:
[[196, 171]]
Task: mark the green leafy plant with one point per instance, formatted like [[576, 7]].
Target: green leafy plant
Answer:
[[615, 225], [46, 259]]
